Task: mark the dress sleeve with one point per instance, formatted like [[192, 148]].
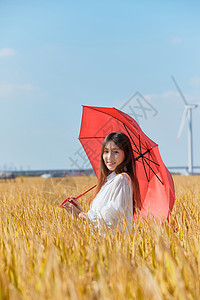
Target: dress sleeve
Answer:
[[119, 201]]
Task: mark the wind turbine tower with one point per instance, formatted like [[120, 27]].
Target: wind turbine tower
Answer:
[[187, 113]]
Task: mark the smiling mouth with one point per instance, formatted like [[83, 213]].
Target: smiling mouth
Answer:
[[110, 164]]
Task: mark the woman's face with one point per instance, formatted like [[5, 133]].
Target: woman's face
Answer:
[[113, 156]]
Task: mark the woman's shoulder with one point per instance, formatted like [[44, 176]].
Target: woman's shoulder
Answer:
[[123, 178]]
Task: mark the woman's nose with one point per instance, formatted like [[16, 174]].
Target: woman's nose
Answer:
[[109, 154]]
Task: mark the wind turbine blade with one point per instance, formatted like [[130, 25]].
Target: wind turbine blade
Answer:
[[185, 113], [178, 88]]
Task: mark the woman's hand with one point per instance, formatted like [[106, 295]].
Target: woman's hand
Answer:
[[73, 206], [82, 216], [77, 204]]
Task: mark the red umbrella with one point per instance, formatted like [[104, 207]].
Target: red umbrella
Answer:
[[155, 181]]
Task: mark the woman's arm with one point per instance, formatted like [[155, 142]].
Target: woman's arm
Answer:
[[74, 207]]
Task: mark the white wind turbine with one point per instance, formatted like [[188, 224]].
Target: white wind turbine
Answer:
[[187, 113]]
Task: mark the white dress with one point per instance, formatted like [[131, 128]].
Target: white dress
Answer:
[[114, 203]]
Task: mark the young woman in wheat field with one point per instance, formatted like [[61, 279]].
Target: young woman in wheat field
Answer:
[[117, 194]]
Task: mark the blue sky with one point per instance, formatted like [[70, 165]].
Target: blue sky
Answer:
[[58, 55]]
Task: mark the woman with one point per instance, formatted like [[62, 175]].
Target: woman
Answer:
[[117, 193]]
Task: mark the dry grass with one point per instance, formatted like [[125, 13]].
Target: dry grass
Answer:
[[46, 254]]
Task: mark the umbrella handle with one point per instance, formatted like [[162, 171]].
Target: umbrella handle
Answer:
[[61, 205]]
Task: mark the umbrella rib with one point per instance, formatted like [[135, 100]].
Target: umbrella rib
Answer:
[[141, 155], [143, 158], [132, 139], [151, 160], [153, 170], [92, 137], [148, 151], [138, 151], [140, 144], [145, 169]]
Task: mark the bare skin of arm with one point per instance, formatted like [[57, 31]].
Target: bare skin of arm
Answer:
[[74, 207]]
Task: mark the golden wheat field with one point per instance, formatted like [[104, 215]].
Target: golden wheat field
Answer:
[[47, 254]]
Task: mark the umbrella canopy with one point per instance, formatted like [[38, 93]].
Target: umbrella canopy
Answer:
[[155, 181]]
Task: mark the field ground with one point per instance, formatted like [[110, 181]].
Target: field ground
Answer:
[[46, 254]]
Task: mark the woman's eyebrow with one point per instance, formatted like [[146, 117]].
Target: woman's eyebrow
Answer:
[[115, 148], [112, 148]]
